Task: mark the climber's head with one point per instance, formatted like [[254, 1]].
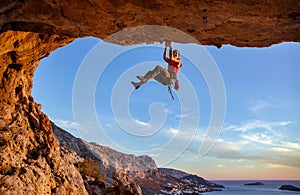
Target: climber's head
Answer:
[[175, 53]]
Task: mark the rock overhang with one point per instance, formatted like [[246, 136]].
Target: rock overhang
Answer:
[[241, 23]]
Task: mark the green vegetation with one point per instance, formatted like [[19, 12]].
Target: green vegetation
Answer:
[[91, 168]]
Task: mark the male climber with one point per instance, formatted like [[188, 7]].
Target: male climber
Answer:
[[166, 77]]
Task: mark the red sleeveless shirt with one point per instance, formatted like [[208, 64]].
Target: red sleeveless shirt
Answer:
[[174, 66]]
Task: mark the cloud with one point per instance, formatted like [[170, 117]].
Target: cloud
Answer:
[[78, 129], [142, 123], [108, 125], [73, 127], [240, 160], [256, 140], [256, 124], [246, 166], [154, 154], [173, 109], [185, 134], [219, 166], [260, 155], [155, 145], [187, 114], [280, 156], [227, 150], [65, 124], [278, 149], [269, 151], [292, 145], [173, 131], [259, 138], [259, 105], [269, 165]]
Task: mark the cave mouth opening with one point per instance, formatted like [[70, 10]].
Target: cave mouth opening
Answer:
[[255, 78]]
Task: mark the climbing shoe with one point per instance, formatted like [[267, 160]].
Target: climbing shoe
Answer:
[[136, 85]]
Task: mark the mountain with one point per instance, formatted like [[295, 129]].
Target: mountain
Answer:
[[174, 173], [195, 179], [122, 162], [76, 150], [110, 160], [190, 178], [127, 173]]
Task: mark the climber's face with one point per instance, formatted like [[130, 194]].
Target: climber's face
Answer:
[[175, 54]]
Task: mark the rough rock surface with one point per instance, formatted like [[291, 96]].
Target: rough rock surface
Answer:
[[252, 23], [116, 165], [30, 159], [110, 160], [122, 162], [174, 173], [183, 176]]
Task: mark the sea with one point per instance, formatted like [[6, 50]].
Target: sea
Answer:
[[270, 187]]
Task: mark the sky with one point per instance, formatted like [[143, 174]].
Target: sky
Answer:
[[235, 116]]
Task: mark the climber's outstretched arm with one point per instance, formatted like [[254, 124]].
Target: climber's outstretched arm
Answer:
[[165, 55]]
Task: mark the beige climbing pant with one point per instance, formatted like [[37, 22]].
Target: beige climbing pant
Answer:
[[162, 75]]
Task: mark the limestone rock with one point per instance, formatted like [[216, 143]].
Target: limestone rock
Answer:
[[119, 167], [30, 159], [253, 23]]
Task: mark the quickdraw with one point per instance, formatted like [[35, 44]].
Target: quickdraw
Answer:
[[170, 91]]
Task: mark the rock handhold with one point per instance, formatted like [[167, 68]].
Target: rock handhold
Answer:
[[34, 120]]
